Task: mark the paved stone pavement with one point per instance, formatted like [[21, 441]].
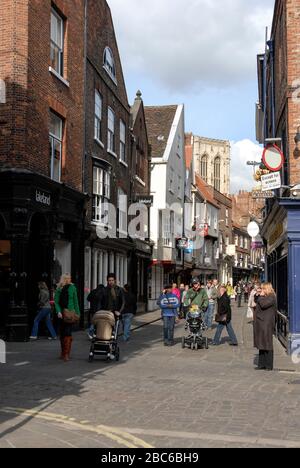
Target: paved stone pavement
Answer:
[[156, 396]]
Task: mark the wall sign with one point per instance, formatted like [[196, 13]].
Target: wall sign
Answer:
[[44, 198]]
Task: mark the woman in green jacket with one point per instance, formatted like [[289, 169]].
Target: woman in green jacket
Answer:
[[66, 298]]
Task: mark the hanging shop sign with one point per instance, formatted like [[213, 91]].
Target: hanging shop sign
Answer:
[[271, 182], [182, 244], [203, 230], [190, 247], [273, 158]]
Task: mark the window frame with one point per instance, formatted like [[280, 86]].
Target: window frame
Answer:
[[53, 44], [98, 118], [103, 192], [123, 155], [109, 68], [56, 139], [111, 134]]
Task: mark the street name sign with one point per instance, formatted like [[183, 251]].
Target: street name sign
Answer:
[[258, 195], [271, 181]]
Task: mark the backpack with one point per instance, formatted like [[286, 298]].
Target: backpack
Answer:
[[64, 297]]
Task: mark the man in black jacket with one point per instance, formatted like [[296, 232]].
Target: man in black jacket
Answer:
[[113, 297], [223, 318]]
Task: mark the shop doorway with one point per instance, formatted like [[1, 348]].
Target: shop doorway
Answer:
[[40, 257], [5, 270]]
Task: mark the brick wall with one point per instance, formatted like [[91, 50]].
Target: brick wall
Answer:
[[100, 35], [33, 90]]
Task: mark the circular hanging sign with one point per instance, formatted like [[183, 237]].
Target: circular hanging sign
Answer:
[[273, 158], [253, 229]]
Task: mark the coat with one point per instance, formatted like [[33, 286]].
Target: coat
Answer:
[[73, 304], [224, 308], [264, 323], [199, 298]]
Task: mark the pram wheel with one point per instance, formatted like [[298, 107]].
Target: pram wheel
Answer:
[[91, 358], [118, 354], [196, 346], [183, 343], [206, 343]]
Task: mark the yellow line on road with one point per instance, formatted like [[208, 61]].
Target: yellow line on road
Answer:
[[117, 435]]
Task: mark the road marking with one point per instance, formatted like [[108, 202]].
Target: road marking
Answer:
[[10, 443], [215, 438], [19, 364], [117, 435]]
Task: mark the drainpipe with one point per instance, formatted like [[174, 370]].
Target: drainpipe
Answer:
[[271, 49], [84, 98]]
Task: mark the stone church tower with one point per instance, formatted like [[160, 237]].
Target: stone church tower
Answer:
[[212, 161]]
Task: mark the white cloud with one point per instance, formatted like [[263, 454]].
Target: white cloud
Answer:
[[188, 44], [241, 174]]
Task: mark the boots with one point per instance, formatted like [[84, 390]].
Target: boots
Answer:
[[68, 346]]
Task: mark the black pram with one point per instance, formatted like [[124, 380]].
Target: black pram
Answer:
[[195, 325]]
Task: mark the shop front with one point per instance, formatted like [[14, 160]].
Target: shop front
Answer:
[[282, 233], [41, 227]]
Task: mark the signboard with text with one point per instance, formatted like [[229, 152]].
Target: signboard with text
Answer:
[[271, 181]]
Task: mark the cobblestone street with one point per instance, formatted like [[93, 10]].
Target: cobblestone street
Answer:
[[155, 397]]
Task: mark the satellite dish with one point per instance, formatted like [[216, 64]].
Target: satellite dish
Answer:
[[253, 229]]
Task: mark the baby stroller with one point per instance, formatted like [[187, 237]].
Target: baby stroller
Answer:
[[195, 325], [106, 341]]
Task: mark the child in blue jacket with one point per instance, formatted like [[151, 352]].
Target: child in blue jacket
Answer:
[[169, 304]]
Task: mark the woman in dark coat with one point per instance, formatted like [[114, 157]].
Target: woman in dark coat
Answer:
[[264, 326], [223, 318]]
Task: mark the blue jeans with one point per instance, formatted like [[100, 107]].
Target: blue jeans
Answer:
[[169, 327], [209, 315], [127, 321], [43, 314], [230, 332]]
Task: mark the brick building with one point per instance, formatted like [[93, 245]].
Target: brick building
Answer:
[[108, 153], [278, 116], [140, 194], [41, 152]]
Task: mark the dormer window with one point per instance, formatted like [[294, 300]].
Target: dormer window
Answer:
[[109, 63]]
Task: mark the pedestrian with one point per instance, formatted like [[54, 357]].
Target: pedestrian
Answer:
[[176, 291], [246, 293], [184, 308], [239, 291], [67, 309], [264, 326], [223, 318], [44, 312], [230, 291], [128, 312], [212, 294], [196, 296], [113, 297], [95, 300], [169, 303]]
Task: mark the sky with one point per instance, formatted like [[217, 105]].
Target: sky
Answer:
[[201, 53]]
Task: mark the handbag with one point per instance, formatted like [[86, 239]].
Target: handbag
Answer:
[[70, 317], [221, 319]]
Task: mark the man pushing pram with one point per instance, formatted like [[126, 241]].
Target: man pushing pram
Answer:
[[106, 320]]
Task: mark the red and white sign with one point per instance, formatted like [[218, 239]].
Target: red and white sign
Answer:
[[273, 158]]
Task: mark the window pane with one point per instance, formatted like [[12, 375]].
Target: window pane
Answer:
[[111, 121], [55, 126], [122, 132], [57, 29]]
